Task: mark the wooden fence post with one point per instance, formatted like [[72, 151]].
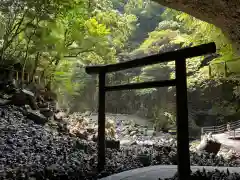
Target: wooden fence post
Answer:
[[210, 71], [28, 77], [17, 75], [225, 69]]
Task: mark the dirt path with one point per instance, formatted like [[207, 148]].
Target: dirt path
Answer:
[[138, 120], [223, 139]]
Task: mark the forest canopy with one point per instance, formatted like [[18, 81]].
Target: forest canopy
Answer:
[[54, 40]]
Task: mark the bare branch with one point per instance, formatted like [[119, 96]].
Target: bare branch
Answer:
[[15, 35], [18, 25]]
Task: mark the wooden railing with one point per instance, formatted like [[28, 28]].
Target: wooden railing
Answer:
[[17, 75], [221, 128], [179, 56]]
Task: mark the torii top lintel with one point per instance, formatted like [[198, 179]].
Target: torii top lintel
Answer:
[[154, 59]]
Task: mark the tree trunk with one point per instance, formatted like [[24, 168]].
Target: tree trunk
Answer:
[[35, 66]]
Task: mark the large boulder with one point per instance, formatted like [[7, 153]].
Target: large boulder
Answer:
[[62, 127], [112, 144], [209, 144], [127, 142], [145, 159], [23, 97], [43, 105], [46, 112], [81, 133], [10, 87], [4, 102], [49, 96], [109, 143], [59, 116], [36, 116]]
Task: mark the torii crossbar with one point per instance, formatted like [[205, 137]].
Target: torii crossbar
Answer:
[[180, 81]]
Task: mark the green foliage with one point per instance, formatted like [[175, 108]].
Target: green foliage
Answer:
[[41, 35], [56, 39], [178, 30], [120, 26], [202, 32]]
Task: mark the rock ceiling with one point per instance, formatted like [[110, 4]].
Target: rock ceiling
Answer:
[[225, 14]]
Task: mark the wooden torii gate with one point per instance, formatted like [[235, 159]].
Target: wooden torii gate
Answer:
[[180, 82]]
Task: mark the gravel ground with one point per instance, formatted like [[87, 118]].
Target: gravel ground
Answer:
[[30, 151]]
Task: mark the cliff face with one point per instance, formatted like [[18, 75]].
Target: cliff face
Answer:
[[225, 14]]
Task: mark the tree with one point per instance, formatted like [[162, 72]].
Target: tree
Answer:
[[54, 40]]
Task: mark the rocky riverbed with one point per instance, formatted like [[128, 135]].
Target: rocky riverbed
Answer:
[[32, 151]]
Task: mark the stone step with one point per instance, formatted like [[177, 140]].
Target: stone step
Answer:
[[161, 171]]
